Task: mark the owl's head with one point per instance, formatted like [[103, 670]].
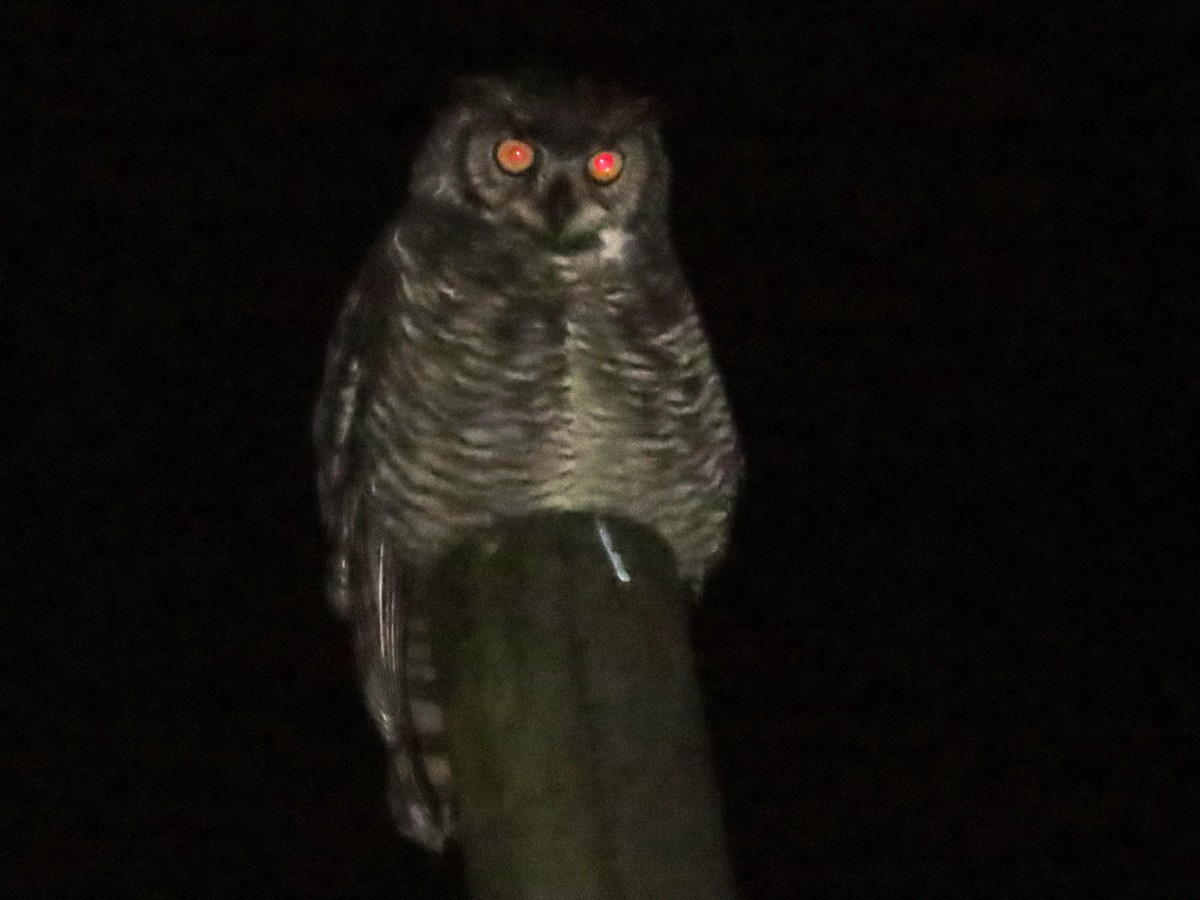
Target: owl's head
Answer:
[[565, 164]]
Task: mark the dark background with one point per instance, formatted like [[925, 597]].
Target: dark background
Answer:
[[947, 253]]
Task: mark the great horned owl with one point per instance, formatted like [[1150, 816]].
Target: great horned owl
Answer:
[[521, 339]]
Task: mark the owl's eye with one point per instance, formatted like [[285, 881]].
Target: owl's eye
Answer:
[[514, 156], [605, 166]]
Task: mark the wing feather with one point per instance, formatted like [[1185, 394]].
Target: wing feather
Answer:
[[368, 582], [345, 387]]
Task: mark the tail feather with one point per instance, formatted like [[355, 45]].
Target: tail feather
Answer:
[[402, 689]]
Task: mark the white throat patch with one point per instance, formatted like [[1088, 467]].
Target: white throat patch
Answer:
[[612, 243]]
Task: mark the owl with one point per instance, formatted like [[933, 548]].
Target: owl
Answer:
[[520, 339]]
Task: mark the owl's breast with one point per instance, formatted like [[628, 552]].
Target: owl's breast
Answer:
[[511, 408], [605, 433], [644, 432]]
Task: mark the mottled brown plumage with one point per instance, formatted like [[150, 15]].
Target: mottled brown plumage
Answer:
[[515, 343]]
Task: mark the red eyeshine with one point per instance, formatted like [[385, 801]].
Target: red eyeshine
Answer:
[[514, 156], [605, 166]]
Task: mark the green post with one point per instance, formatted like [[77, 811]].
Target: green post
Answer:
[[577, 736]]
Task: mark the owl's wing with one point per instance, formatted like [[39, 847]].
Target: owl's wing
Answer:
[[369, 584], [342, 388], [390, 645], [344, 394]]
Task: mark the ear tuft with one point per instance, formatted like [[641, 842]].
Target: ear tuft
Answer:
[[484, 91]]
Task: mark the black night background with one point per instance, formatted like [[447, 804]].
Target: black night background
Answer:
[[947, 254]]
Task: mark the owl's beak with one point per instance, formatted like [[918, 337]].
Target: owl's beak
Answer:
[[559, 205]]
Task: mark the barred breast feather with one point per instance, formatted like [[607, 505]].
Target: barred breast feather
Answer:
[[451, 400], [477, 404]]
